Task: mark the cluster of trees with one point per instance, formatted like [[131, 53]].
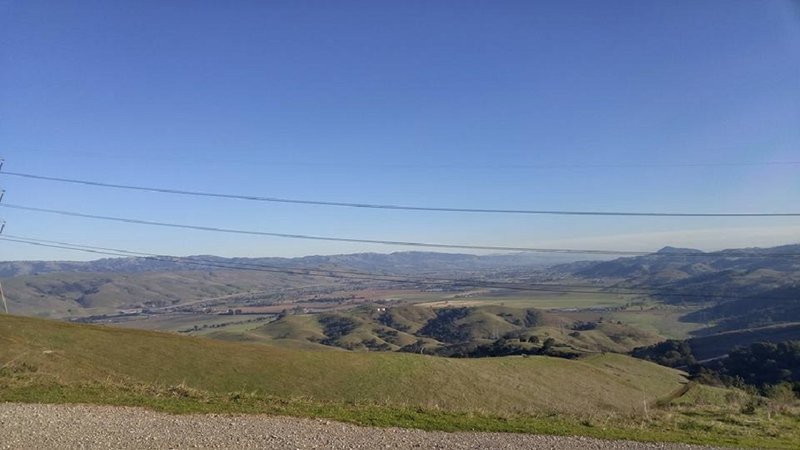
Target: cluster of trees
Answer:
[[584, 326], [508, 347], [376, 346], [671, 353], [765, 366], [500, 347], [444, 326], [388, 319], [387, 335], [532, 318], [335, 327]]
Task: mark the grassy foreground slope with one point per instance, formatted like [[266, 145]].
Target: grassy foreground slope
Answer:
[[70, 353], [602, 396]]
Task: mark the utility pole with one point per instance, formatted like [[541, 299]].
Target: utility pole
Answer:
[[3, 227], [3, 296]]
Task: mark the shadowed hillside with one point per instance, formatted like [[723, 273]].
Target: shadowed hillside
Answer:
[[734, 292]]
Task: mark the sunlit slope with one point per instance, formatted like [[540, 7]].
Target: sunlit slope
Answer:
[[71, 354], [367, 328]]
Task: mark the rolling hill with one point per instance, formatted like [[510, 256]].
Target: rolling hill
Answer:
[[734, 292], [610, 396], [462, 331], [670, 265], [76, 294], [781, 305], [64, 289], [401, 263], [39, 352]]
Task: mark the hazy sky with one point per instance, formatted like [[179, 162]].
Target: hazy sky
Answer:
[[432, 103]]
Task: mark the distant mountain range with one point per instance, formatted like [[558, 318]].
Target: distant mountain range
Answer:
[[671, 264], [75, 289], [401, 263], [745, 288], [738, 288]]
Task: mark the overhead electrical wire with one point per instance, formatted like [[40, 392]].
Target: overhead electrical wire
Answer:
[[337, 274], [320, 272], [306, 271], [423, 165], [191, 259], [398, 207], [197, 261], [350, 240]]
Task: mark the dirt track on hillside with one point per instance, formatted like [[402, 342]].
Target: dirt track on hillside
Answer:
[[25, 426]]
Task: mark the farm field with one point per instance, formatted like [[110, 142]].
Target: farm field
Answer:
[[179, 322], [663, 321], [546, 300]]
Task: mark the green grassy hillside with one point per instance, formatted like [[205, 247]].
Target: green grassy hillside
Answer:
[[58, 295], [68, 353], [608, 396]]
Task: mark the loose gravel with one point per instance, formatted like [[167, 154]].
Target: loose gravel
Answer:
[[29, 426]]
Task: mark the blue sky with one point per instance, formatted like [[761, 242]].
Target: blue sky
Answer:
[[449, 103]]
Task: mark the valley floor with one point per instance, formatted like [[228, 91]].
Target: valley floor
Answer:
[[82, 426]]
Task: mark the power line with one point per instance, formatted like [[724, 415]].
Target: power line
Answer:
[[199, 261], [353, 240], [322, 272], [191, 259], [194, 260], [287, 235], [392, 207], [325, 273], [335, 273], [305, 271], [426, 165]]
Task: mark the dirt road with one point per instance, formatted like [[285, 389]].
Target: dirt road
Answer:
[[26, 426]]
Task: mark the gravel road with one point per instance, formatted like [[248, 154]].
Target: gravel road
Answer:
[[29, 426]]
